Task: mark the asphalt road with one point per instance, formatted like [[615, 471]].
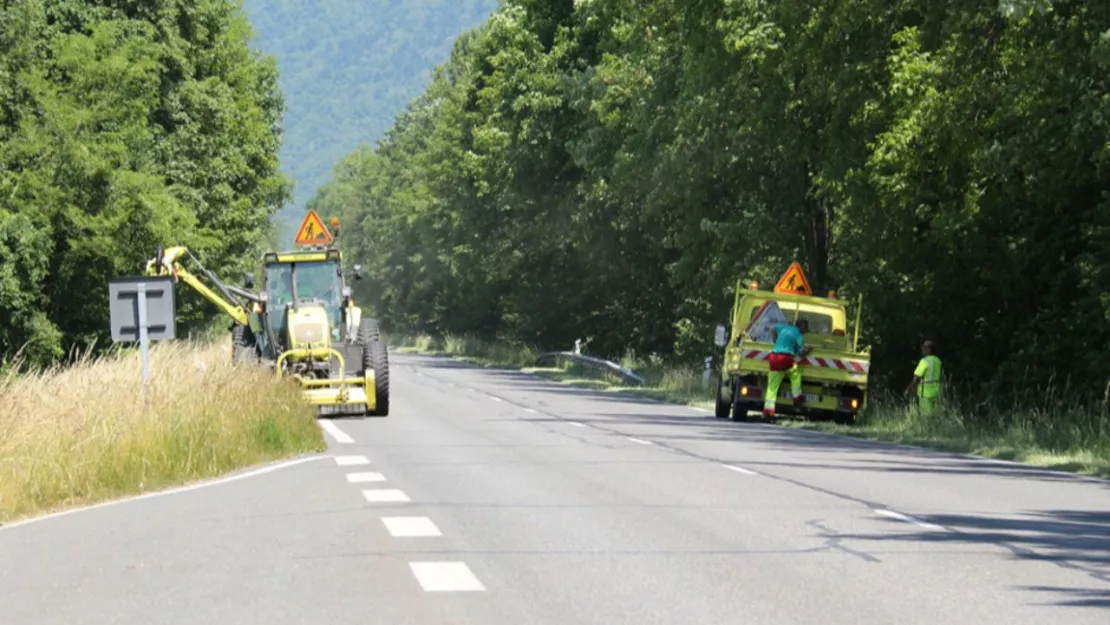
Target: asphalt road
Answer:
[[497, 498]]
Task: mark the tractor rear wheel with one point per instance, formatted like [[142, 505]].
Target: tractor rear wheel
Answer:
[[242, 345], [368, 331], [375, 357]]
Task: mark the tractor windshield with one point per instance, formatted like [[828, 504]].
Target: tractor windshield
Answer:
[[316, 280], [319, 280]]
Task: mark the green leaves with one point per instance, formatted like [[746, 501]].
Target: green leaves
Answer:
[[125, 128], [612, 170]]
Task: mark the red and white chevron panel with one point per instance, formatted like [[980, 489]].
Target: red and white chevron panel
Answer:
[[853, 366]]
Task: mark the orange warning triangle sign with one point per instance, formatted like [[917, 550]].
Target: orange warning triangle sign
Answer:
[[313, 231], [794, 281]]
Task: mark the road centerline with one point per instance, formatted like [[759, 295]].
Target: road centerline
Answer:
[[385, 495], [411, 527], [445, 577], [351, 461], [364, 477]]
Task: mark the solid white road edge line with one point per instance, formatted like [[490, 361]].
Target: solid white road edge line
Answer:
[[385, 495], [908, 519], [339, 435], [362, 478], [350, 461], [639, 440], [410, 526], [445, 577], [732, 467], [170, 491]]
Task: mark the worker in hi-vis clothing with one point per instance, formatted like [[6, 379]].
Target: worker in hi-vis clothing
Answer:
[[788, 350], [926, 380]]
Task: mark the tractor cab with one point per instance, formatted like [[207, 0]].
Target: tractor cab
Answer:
[[295, 280]]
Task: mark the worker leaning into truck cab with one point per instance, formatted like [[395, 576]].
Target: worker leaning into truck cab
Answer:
[[789, 349], [926, 380]]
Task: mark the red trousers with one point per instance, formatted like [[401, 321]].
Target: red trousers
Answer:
[[781, 362]]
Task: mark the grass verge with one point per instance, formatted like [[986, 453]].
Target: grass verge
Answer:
[[88, 432], [1052, 435]]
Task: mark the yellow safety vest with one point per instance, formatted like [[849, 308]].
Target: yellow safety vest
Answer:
[[928, 369]]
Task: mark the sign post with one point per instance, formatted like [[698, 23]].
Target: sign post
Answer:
[[142, 309]]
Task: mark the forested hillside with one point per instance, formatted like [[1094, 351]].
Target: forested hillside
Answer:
[[609, 169], [347, 68], [125, 125]]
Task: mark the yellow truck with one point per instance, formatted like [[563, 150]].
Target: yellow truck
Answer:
[[834, 374]]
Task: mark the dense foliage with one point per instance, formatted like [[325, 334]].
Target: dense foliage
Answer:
[[123, 125], [609, 169], [347, 67]]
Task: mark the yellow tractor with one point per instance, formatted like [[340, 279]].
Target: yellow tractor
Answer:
[[303, 322]]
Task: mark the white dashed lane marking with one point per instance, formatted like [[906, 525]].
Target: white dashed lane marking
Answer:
[[350, 461], [639, 440], [530, 410], [385, 495], [411, 527], [339, 435], [731, 467], [445, 577], [890, 514], [362, 478], [577, 424], [496, 398]]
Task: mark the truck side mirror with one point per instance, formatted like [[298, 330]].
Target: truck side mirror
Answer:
[[720, 339]]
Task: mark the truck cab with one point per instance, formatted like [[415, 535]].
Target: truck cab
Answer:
[[834, 374]]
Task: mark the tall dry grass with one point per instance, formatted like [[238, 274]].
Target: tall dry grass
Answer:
[[89, 432]]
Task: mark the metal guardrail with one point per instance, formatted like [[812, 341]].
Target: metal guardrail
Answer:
[[594, 363]]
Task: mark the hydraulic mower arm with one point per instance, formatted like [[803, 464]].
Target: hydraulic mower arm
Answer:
[[166, 263]]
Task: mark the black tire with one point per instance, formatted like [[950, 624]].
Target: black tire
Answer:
[[722, 408], [368, 331], [242, 345], [375, 357], [740, 408]]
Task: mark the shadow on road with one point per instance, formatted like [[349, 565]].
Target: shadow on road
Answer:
[[843, 452], [1078, 540]]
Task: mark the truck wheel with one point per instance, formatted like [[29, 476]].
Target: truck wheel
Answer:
[[722, 407], [739, 408], [375, 357]]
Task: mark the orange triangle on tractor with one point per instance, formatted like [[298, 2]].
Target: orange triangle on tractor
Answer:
[[794, 281], [313, 231]]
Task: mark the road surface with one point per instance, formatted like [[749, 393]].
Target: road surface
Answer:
[[497, 498]]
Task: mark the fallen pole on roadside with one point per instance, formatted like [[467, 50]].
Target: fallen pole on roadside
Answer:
[[594, 363]]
